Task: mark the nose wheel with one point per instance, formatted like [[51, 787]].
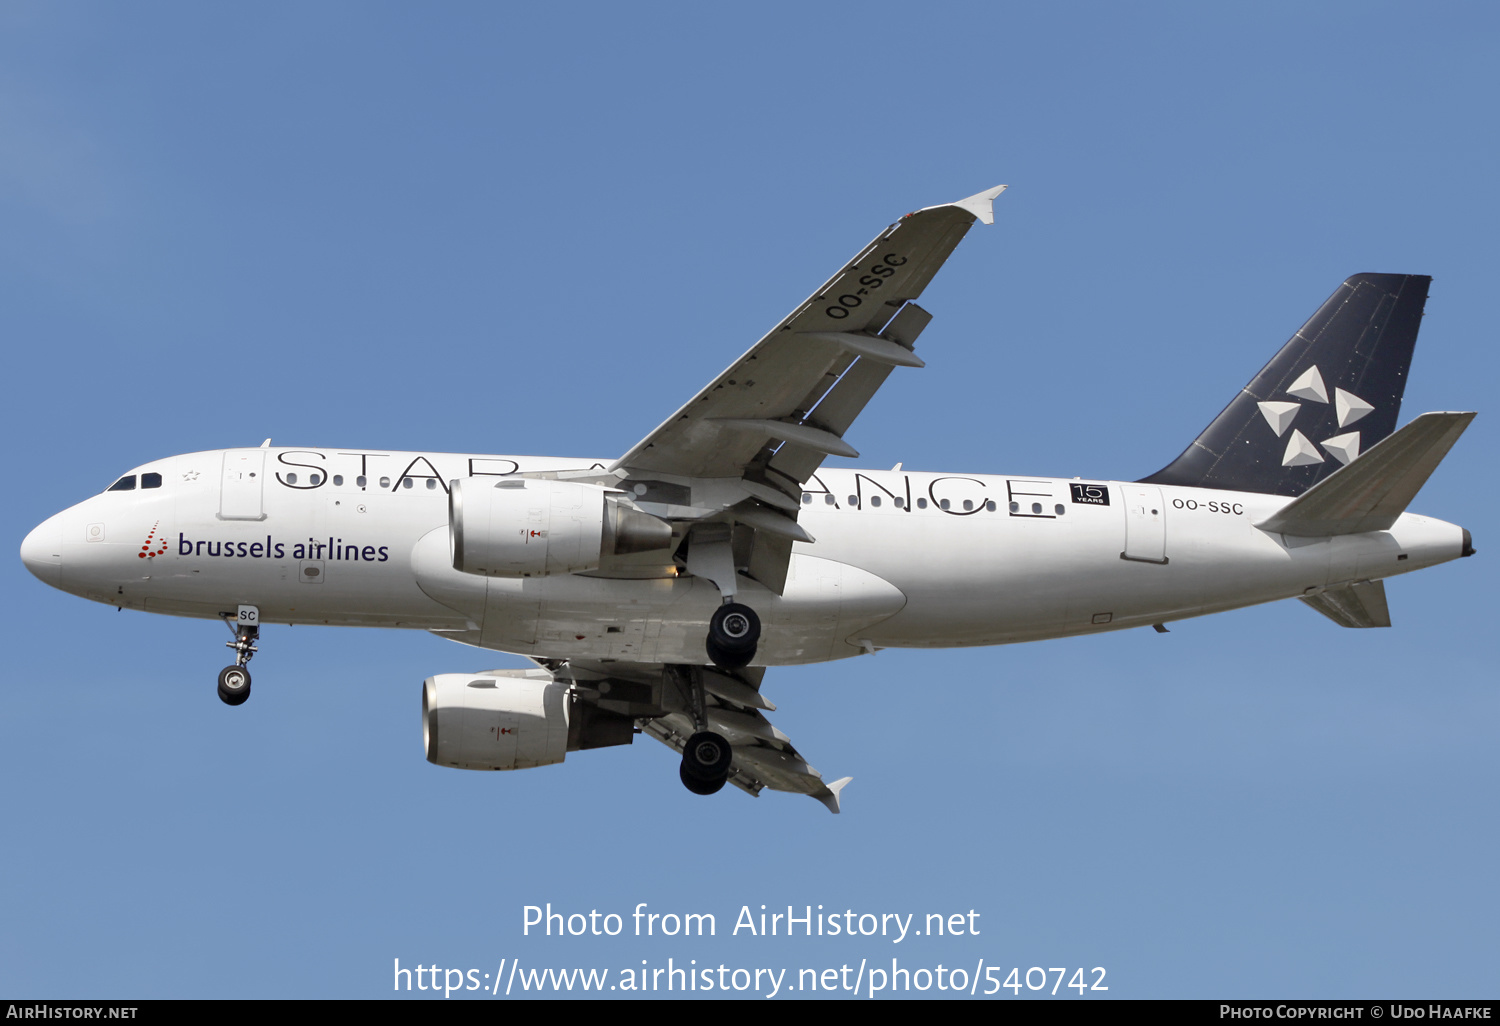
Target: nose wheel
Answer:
[[733, 634], [234, 681], [234, 685]]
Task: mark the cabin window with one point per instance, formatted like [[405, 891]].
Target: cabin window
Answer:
[[1036, 507], [828, 499], [1015, 507], [385, 482], [807, 498], [360, 480], [921, 504], [406, 482], [1060, 509], [291, 479], [338, 479], [874, 500], [150, 480], [898, 502], [854, 500], [968, 505], [431, 483], [316, 478], [943, 504], [125, 484], [990, 505]]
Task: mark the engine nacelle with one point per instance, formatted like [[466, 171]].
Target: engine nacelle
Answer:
[[512, 719], [520, 527], [499, 720]]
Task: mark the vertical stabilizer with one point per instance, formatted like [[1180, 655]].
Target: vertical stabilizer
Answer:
[[1333, 391]]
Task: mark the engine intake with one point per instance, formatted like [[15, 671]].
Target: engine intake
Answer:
[[520, 527]]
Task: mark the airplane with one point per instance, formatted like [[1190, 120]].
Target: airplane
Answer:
[[651, 592]]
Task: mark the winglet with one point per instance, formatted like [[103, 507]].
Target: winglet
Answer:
[[831, 799], [981, 204]]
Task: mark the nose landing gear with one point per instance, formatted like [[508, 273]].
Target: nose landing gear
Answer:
[[234, 681]]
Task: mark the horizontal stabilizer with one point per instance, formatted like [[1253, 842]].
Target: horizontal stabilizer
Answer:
[[1372, 491], [1360, 604]]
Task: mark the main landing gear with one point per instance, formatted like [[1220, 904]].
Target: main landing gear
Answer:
[[734, 629], [234, 681], [707, 756], [733, 633], [705, 762]]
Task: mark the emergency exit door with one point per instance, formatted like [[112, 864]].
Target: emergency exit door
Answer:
[[1145, 525]]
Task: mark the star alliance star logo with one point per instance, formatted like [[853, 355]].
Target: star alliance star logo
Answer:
[[191, 475], [1347, 406]]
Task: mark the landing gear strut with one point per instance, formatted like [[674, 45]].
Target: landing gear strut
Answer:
[[234, 681]]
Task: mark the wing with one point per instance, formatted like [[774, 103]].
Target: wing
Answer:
[[664, 702], [779, 409], [741, 449]]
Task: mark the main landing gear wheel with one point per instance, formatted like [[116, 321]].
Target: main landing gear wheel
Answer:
[[234, 685], [705, 762], [733, 633], [697, 786]]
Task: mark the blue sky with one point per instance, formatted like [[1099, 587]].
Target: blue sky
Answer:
[[494, 228]]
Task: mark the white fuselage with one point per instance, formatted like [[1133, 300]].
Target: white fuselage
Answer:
[[901, 559]]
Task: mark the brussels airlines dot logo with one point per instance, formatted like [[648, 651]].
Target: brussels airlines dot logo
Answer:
[[152, 540]]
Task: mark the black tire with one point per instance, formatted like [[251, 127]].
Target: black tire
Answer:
[[697, 786], [706, 757], [726, 660], [733, 633], [734, 628], [234, 685]]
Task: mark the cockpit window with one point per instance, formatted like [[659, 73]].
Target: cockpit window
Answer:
[[125, 484], [150, 480]]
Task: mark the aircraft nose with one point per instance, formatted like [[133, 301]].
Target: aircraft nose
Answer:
[[42, 551]]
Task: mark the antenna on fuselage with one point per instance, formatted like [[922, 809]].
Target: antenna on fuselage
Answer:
[[266, 444]]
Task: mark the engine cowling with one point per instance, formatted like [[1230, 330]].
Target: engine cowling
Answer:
[[495, 721], [512, 719], [520, 527]]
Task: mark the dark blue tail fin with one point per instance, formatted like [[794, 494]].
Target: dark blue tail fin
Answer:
[[1332, 392]]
